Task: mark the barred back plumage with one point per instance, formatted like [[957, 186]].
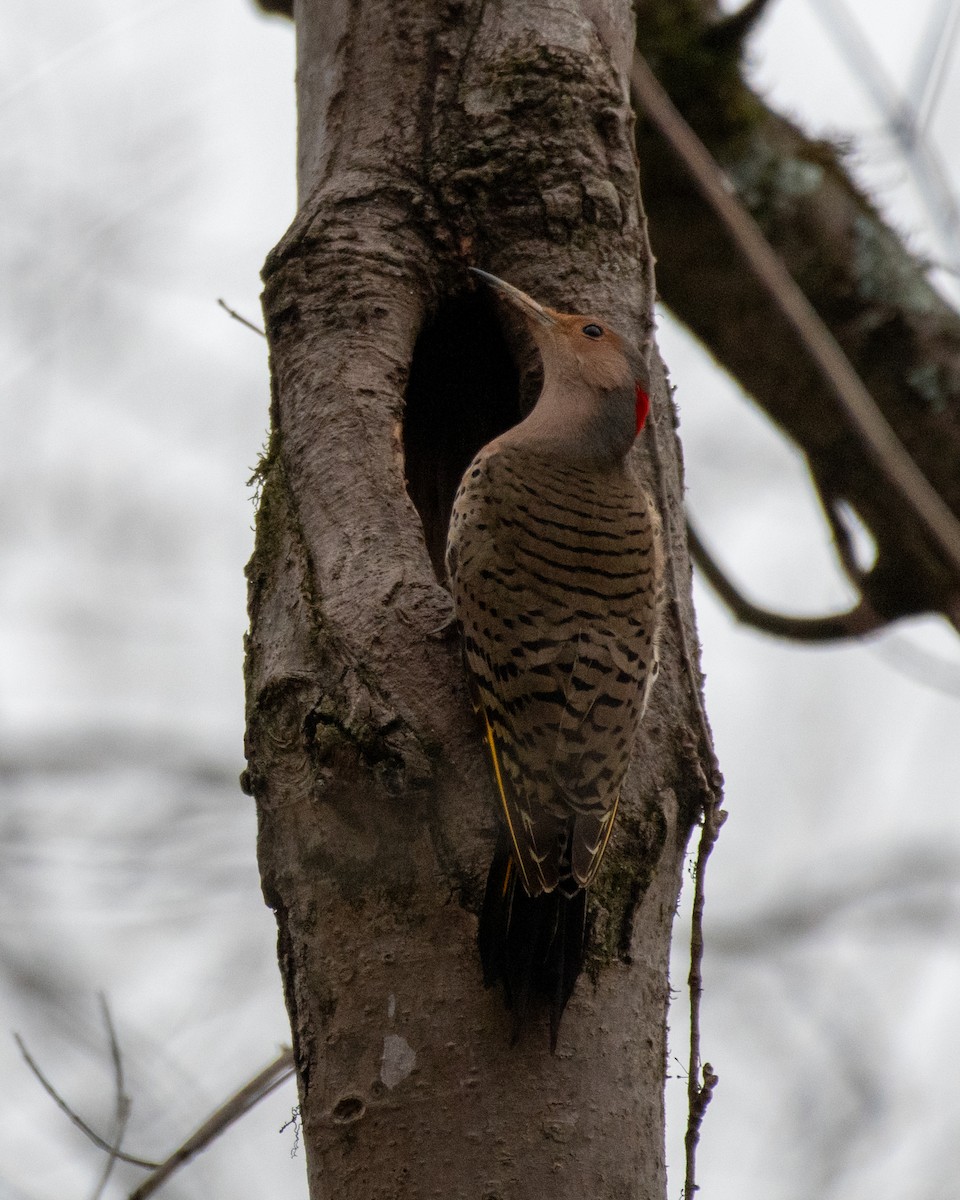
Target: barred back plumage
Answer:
[[555, 566]]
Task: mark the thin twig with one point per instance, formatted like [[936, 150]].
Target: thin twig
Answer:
[[830, 501], [699, 1094], [114, 1156], [878, 438], [859, 621], [241, 1102], [74, 1117], [123, 1100], [243, 320]]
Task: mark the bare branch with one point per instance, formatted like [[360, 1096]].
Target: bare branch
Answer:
[[114, 1050], [699, 1094], [75, 1118], [236, 316], [830, 501], [877, 436], [902, 120], [859, 621], [123, 1104], [240, 1103], [114, 1155]]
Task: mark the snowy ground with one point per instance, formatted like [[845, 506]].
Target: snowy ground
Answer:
[[147, 165]]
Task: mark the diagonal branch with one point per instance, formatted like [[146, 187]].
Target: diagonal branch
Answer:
[[859, 621], [74, 1117], [240, 1103], [879, 439], [831, 502], [232, 312], [123, 1103]]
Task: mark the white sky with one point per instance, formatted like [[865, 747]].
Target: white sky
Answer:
[[146, 166]]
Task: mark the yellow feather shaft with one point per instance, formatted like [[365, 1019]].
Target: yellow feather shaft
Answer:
[[503, 800], [606, 837]]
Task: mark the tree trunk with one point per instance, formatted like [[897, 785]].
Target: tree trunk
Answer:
[[434, 135]]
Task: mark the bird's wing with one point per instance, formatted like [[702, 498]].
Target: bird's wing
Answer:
[[504, 661], [537, 834], [591, 833], [556, 670]]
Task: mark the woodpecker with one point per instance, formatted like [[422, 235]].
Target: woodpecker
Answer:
[[555, 565]]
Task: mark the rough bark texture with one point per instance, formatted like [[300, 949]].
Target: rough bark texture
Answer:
[[435, 134], [901, 337]]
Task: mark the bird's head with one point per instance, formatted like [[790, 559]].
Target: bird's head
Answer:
[[593, 378]]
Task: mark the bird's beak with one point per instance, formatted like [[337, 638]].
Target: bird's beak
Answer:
[[524, 302]]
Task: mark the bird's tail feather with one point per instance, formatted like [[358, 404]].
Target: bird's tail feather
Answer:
[[534, 944]]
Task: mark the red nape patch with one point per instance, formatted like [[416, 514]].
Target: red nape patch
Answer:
[[643, 407]]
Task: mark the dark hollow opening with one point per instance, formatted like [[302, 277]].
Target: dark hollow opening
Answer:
[[464, 389]]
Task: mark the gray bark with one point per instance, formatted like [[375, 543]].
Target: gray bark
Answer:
[[434, 135]]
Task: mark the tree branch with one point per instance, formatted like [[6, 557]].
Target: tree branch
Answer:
[[237, 317], [240, 1103], [84, 1128], [876, 434], [859, 621], [830, 502], [270, 1078], [123, 1103], [699, 1094], [899, 335]]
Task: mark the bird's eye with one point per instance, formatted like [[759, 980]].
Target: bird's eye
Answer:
[[593, 331]]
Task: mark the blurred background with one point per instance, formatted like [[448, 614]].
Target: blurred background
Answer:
[[147, 154]]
